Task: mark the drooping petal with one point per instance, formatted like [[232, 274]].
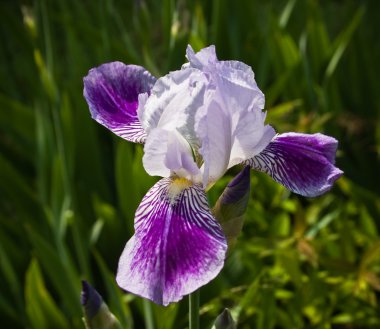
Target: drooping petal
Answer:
[[303, 163], [177, 247], [167, 153], [173, 103], [112, 92]]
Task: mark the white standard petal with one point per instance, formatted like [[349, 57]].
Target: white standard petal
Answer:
[[167, 153], [213, 126], [173, 103], [202, 59], [250, 136], [238, 87]]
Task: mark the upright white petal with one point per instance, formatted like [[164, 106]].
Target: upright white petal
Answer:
[[173, 103], [213, 126]]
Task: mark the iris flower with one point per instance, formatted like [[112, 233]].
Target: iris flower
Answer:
[[196, 123]]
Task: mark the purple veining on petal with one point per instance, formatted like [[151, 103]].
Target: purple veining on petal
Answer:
[[90, 299], [303, 163], [178, 245], [111, 91]]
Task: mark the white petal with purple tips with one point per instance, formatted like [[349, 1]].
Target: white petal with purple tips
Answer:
[[112, 92], [178, 245], [303, 163]]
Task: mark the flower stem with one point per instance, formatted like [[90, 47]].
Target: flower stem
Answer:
[[194, 310]]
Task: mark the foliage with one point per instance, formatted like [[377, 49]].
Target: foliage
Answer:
[[68, 190]]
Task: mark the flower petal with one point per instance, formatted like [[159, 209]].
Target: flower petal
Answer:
[[239, 80], [174, 102], [214, 126], [203, 58], [228, 138], [167, 153], [303, 163], [112, 93], [178, 246]]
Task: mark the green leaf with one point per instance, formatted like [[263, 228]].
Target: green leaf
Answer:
[[40, 307]]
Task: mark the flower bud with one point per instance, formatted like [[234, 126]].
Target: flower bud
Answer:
[[96, 312], [231, 205], [225, 320]]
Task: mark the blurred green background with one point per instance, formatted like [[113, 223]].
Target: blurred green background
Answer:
[[69, 187]]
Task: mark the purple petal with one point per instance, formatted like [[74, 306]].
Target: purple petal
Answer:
[[303, 163], [178, 246], [112, 93]]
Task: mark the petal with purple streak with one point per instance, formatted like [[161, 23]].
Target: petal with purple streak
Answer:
[[303, 163], [112, 92], [178, 246]]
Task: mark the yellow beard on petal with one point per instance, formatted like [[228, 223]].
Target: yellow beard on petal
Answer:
[[176, 187]]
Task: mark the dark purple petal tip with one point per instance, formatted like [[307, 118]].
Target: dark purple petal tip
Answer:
[[90, 299], [112, 92], [303, 163]]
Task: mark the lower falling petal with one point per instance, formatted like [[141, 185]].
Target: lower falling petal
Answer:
[[178, 246]]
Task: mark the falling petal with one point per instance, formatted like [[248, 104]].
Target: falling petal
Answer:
[[112, 92], [303, 163], [178, 245]]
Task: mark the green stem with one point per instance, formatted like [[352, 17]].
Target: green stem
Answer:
[[194, 310], [148, 314]]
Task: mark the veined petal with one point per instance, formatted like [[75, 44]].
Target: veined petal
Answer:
[[177, 247], [303, 163], [112, 93]]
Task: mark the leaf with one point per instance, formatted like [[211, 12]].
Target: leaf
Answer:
[[40, 307]]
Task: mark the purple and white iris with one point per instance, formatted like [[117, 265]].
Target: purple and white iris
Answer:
[[196, 123]]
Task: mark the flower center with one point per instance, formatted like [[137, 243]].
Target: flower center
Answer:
[[176, 187]]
